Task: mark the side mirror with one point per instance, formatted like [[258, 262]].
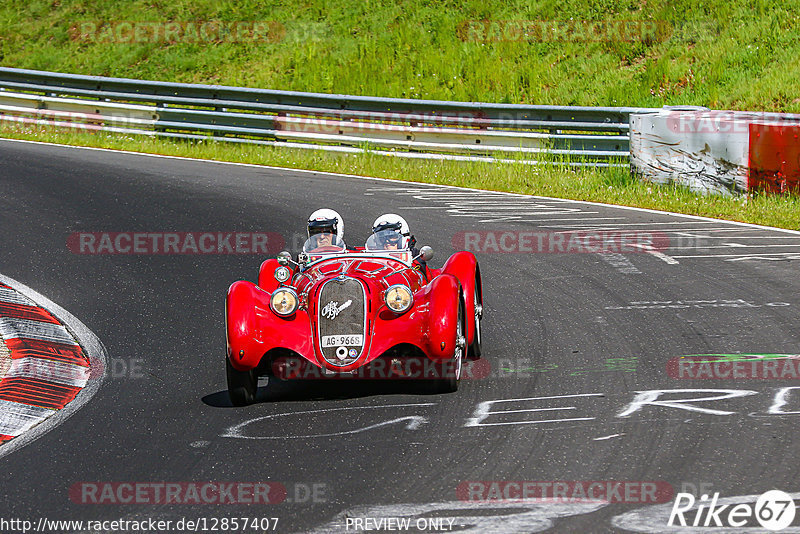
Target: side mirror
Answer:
[[426, 254], [284, 258]]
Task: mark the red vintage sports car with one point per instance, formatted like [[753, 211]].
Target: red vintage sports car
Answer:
[[337, 310]]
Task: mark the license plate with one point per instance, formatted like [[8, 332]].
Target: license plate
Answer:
[[351, 340]]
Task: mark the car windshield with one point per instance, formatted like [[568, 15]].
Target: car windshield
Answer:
[[385, 240], [324, 243]]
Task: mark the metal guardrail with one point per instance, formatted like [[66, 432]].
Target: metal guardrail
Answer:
[[400, 127]]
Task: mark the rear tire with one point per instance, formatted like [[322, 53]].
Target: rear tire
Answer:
[[242, 385], [452, 369]]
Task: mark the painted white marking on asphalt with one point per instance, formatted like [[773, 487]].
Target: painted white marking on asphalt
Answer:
[[783, 255], [780, 400], [617, 226], [740, 236], [11, 328], [520, 209], [728, 247], [650, 398], [236, 431], [483, 411], [609, 437], [653, 252], [685, 304], [762, 257], [543, 220]]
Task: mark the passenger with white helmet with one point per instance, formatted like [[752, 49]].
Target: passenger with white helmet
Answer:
[[325, 228], [391, 232]]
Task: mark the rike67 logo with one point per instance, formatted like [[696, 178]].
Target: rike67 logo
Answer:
[[773, 510]]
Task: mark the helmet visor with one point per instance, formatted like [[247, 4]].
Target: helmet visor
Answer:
[[320, 226]]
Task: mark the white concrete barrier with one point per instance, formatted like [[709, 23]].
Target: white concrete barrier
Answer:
[[717, 151]]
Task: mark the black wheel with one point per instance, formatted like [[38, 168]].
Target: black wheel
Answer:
[[475, 346], [242, 385], [452, 370]]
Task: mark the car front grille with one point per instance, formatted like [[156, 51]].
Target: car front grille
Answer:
[[341, 313]]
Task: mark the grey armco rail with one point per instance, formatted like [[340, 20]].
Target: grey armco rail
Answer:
[[405, 127]]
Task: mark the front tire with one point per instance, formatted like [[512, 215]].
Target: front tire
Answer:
[[475, 347], [452, 369], [242, 385]]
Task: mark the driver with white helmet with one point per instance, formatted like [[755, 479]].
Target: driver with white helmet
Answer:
[[327, 227]]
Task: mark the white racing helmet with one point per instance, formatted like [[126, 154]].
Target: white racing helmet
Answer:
[[326, 220], [392, 221]]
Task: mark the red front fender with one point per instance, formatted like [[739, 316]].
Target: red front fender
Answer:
[[253, 329], [442, 295], [464, 266]]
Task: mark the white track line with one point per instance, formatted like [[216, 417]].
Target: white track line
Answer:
[[660, 255], [780, 254]]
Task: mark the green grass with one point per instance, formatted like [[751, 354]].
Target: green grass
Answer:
[[612, 185], [715, 53], [712, 53]]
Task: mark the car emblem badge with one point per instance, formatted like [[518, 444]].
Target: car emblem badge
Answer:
[[332, 309], [353, 353]]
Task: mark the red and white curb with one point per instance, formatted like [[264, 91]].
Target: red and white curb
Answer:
[[56, 365]]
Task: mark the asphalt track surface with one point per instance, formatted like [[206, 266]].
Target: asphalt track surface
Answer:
[[556, 324]]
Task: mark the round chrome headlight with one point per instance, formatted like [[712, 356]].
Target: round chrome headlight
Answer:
[[283, 301], [399, 298], [282, 274]]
